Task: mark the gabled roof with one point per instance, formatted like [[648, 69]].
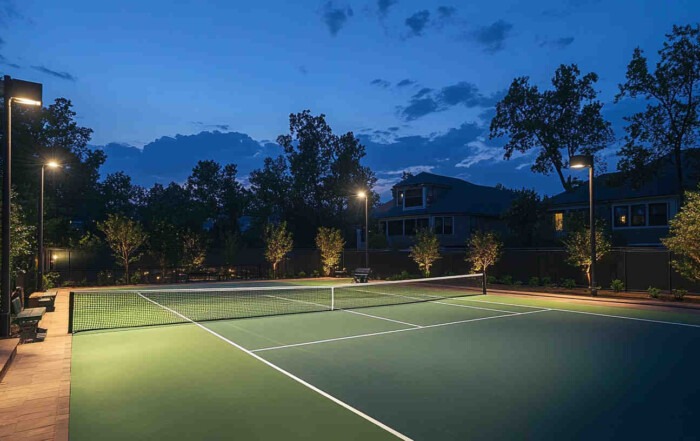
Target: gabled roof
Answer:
[[460, 197], [614, 187]]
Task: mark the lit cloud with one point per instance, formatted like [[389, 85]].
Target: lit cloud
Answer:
[[480, 152]]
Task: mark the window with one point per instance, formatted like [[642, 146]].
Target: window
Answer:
[[639, 215], [658, 214], [410, 227], [443, 225], [396, 228], [413, 198], [621, 216], [558, 221]]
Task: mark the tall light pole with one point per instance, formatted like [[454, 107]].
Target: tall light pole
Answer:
[[586, 161], [40, 263], [365, 196], [21, 92]]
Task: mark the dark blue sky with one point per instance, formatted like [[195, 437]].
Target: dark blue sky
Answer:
[[414, 78]]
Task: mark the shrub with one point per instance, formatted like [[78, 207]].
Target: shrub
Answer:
[[678, 294], [135, 278], [105, 278], [301, 274], [617, 285], [66, 283], [315, 273], [507, 280], [654, 292], [50, 280], [491, 280], [568, 283], [518, 283], [534, 281], [546, 281]]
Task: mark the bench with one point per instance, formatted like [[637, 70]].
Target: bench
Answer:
[[28, 321], [43, 299], [340, 273], [361, 275]]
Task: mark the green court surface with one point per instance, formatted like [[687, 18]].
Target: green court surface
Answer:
[[483, 367]]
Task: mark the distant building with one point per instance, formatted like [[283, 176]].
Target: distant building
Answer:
[[451, 207], [636, 216]]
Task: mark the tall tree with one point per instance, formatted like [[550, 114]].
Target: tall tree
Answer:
[[684, 237], [119, 195], [560, 123], [125, 236], [525, 218], [670, 122]]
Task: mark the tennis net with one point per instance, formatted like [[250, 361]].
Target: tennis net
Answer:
[[109, 309]]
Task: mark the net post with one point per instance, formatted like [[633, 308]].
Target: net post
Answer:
[[332, 298], [71, 300], [483, 283]]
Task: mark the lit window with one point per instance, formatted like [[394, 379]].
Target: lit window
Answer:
[[558, 221], [622, 216], [639, 215], [658, 214]]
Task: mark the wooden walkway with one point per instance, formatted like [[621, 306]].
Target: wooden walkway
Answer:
[[35, 392]]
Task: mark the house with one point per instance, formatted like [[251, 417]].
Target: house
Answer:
[[636, 215], [451, 207]]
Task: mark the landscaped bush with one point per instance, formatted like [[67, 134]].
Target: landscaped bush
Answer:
[[678, 294], [546, 281], [568, 283], [315, 273], [50, 280], [507, 280], [518, 283], [105, 278], [491, 280], [301, 274], [534, 281], [136, 278], [617, 285], [654, 292], [403, 276]]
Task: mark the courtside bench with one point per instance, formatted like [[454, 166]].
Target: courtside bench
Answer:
[[361, 275], [43, 299], [28, 321]]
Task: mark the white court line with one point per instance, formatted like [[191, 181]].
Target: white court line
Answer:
[[662, 322], [475, 307], [288, 374], [346, 310], [372, 334]]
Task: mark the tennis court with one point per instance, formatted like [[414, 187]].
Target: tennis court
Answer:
[[427, 360]]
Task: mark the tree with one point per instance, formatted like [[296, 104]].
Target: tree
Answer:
[[119, 195], [232, 242], [194, 250], [425, 251], [22, 247], [330, 243], [483, 250], [578, 248], [124, 236], [278, 242], [684, 237], [670, 122], [165, 244], [562, 122], [525, 217]]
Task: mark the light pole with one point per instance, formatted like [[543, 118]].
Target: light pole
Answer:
[[586, 161], [365, 196], [21, 92], [40, 263]]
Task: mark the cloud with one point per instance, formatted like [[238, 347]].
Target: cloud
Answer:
[[446, 11], [303, 70], [380, 83], [335, 17], [8, 12], [5, 62], [405, 82], [62, 75], [556, 43], [493, 36], [393, 129], [480, 152], [417, 23], [222, 127], [427, 101], [413, 169], [383, 7]]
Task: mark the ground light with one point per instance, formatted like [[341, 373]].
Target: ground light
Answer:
[[586, 161], [27, 93]]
